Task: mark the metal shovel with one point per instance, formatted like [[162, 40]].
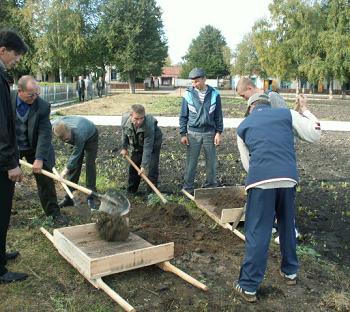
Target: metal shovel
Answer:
[[112, 204]]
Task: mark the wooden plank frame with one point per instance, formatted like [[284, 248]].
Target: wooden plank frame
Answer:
[[78, 258], [95, 258]]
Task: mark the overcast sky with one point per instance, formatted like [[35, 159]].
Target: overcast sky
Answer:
[[183, 20]]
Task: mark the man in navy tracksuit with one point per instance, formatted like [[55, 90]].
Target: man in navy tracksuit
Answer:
[[266, 144], [201, 124]]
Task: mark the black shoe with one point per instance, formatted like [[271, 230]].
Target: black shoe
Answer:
[[9, 277], [66, 202], [11, 255], [60, 220]]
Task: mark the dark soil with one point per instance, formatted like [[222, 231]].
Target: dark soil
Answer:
[[226, 201], [112, 228], [212, 254]]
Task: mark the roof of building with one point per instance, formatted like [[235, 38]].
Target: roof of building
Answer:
[[171, 71]]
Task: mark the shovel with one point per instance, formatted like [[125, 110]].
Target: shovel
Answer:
[[112, 204], [143, 176], [82, 209], [66, 188]]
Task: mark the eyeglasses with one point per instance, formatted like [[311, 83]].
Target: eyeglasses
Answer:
[[33, 94], [30, 94]]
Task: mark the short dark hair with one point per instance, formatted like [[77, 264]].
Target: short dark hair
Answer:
[[12, 41], [138, 109]]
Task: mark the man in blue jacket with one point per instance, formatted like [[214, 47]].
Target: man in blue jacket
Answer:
[[265, 141], [201, 124], [83, 135]]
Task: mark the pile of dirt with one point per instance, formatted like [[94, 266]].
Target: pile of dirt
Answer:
[[227, 201], [112, 227]]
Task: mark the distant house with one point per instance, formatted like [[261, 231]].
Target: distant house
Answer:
[[169, 74]]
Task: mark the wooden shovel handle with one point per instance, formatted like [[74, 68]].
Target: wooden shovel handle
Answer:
[[66, 188], [153, 187], [60, 179], [168, 267]]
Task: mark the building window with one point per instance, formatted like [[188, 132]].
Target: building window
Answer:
[[114, 74]]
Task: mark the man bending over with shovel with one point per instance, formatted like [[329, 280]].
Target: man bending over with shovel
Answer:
[[266, 144], [140, 133], [83, 135]]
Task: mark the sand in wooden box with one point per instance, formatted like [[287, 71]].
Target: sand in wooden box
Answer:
[[94, 257]]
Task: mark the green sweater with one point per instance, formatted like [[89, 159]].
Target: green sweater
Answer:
[[141, 139]]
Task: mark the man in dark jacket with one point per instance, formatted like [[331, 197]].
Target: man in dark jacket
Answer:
[[80, 87], [12, 48], [143, 137], [201, 124], [33, 131], [83, 135]]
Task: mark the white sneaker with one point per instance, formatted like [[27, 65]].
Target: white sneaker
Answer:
[[277, 239]]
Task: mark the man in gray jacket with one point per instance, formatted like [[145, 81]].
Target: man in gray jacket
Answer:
[[33, 131], [143, 137], [83, 135]]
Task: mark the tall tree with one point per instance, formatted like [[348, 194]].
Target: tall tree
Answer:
[[246, 61], [335, 40], [208, 52], [60, 41], [135, 37]]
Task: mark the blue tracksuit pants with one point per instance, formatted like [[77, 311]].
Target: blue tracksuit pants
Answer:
[[262, 206]]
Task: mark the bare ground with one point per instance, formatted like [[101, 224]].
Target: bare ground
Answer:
[[203, 249]]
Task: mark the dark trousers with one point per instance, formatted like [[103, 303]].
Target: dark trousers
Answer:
[[81, 94], [262, 205], [90, 151], [99, 92], [153, 171], [45, 185], [7, 188]]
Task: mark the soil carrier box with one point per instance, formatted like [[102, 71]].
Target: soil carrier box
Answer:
[[94, 257], [226, 203]]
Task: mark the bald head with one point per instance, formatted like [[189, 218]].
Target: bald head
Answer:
[[25, 80], [28, 89], [62, 131]]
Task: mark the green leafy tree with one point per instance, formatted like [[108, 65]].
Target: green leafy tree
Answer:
[[335, 40], [60, 40], [135, 38], [208, 51], [13, 16], [246, 60]]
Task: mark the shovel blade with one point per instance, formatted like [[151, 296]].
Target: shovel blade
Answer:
[[114, 202]]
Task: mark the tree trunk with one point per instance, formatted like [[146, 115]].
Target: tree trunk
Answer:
[[297, 87], [60, 74], [132, 75], [331, 89], [343, 94]]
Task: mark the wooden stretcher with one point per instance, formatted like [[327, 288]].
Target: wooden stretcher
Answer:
[[94, 258], [228, 218]]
